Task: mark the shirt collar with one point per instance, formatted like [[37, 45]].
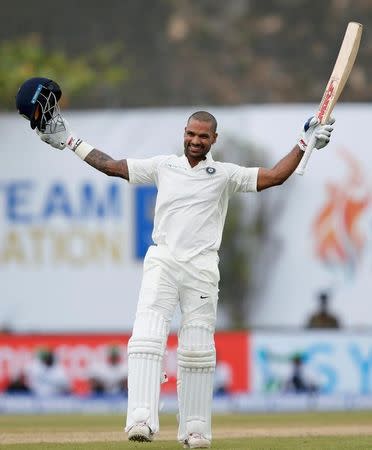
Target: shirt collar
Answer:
[[208, 159]]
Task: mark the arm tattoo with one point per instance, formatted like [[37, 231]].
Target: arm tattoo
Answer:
[[98, 160], [106, 164]]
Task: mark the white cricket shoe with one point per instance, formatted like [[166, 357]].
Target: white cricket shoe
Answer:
[[140, 432], [196, 440]]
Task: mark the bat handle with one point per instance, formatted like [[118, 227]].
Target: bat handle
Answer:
[[306, 156]]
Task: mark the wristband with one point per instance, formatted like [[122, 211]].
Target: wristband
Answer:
[[79, 147], [302, 144]]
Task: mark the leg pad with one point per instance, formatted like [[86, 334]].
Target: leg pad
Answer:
[[196, 365], [146, 348]]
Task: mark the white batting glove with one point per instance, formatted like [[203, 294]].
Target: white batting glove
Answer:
[[60, 138], [322, 133]]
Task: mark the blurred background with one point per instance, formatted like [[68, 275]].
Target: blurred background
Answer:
[[295, 322]]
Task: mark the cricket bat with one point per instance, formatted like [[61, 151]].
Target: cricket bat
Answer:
[[340, 74]]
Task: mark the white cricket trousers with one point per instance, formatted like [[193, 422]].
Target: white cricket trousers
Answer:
[[167, 283]]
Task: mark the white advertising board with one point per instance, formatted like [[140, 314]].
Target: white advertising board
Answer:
[[331, 362], [71, 239]]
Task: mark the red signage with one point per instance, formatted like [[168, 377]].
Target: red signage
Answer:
[[78, 352]]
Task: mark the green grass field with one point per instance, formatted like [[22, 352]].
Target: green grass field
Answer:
[[315, 431]]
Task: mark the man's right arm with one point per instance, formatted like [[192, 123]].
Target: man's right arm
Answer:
[[104, 163]]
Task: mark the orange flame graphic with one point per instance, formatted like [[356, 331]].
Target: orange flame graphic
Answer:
[[337, 236]]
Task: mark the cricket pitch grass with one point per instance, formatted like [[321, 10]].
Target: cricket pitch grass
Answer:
[[350, 430]]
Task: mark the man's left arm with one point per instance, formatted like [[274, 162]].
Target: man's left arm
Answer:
[[287, 165]]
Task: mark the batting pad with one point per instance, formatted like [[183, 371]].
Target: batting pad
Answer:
[[196, 365], [145, 353]]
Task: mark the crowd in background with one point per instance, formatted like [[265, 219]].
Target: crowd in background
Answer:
[[45, 375]]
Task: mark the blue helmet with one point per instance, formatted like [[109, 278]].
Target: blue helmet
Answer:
[[37, 101]]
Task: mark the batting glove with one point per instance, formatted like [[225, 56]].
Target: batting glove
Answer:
[[322, 133], [57, 139]]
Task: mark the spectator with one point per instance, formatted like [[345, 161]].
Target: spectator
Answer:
[[18, 385], [323, 318], [297, 382], [45, 376], [109, 376]]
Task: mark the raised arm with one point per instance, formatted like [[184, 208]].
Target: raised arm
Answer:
[[92, 156], [104, 163], [281, 171], [287, 165]]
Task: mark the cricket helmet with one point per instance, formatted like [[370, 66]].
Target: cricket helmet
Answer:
[[37, 101]]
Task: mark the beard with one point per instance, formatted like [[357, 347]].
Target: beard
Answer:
[[198, 152]]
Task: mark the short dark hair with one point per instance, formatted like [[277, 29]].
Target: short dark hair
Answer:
[[204, 116]]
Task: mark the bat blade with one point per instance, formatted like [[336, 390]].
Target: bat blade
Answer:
[[336, 83]]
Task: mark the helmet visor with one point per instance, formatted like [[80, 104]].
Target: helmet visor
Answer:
[[47, 114]]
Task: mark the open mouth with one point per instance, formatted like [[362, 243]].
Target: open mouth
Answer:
[[195, 148]]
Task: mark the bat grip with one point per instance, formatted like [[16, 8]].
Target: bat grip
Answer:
[[306, 156]]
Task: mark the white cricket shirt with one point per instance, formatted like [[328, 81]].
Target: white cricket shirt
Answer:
[[192, 202]]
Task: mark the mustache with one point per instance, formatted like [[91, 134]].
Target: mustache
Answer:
[[194, 145]]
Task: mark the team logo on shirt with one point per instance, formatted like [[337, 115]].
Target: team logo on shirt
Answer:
[[210, 170]]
